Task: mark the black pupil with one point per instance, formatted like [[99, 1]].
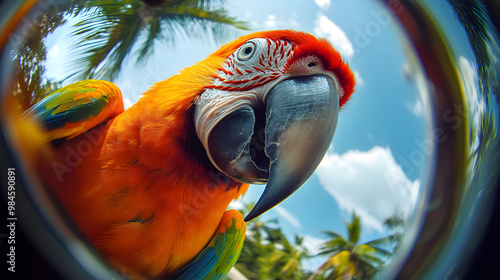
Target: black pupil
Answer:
[[248, 50], [311, 64]]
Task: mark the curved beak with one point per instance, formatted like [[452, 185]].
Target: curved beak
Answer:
[[281, 143]]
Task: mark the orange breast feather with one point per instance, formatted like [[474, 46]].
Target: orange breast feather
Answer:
[[146, 194]]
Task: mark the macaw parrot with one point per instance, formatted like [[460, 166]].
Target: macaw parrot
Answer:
[[150, 186]]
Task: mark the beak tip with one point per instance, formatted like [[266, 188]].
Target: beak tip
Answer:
[[303, 140], [255, 212], [248, 218], [259, 209]]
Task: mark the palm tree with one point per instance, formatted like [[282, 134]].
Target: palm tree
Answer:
[[256, 228], [255, 245], [284, 260], [30, 85], [110, 29], [350, 260], [106, 34], [396, 225], [267, 253], [474, 18]]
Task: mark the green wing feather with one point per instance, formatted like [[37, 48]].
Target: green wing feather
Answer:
[[76, 108], [221, 254]]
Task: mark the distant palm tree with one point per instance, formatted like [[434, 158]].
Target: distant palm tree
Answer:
[[109, 29], [30, 85], [396, 224], [474, 18], [267, 253], [248, 263], [284, 260], [255, 245], [256, 228], [350, 260]]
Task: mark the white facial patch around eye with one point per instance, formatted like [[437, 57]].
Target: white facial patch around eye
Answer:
[[256, 62]]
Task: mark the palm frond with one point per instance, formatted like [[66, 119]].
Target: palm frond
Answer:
[[329, 252], [331, 234], [370, 261], [153, 31], [382, 243], [109, 31], [474, 18], [354, 229], [336, 244]]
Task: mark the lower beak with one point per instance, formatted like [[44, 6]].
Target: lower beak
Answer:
[[281, 144]]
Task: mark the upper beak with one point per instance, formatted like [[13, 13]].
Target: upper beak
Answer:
[[281, 144]]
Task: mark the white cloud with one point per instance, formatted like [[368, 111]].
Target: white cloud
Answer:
[[472, 94], [324, 4], [127, 103], [406, 69], [236, 204], [293, 20], [359, 80], [417, 108], [370, 183], [131, 92], [274, 22], [52, 53], [271, 21], [324, 27], [477, 105], [313, 245], [287, 216]]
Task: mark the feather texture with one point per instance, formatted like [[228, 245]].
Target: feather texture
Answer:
[[220, 255], [147, 186], [138, 183], [76, 108]]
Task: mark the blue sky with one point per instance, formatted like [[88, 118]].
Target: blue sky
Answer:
[[378, 160]]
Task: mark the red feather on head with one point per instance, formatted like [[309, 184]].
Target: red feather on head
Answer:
[[305, 45]]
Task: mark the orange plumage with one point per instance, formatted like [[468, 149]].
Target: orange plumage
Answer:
[[147, 164], [140, 185]]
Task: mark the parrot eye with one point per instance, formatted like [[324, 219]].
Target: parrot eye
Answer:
[[246, 51]]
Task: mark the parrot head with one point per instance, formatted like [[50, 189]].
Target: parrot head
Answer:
[[262, 109], [271, 112]]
